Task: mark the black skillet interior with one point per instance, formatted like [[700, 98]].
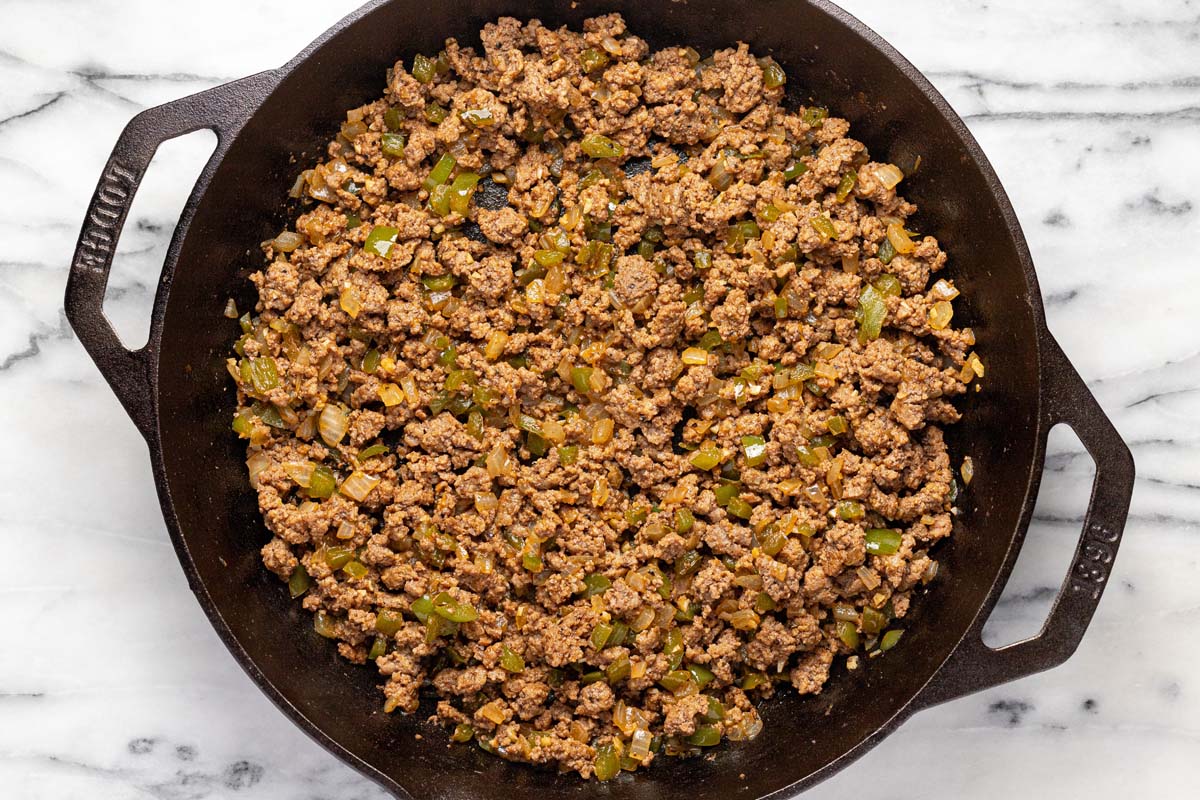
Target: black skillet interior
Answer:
[[217, 515]]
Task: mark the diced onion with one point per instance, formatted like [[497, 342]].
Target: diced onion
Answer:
[[753, 726], [824, 370], [359, 485], [791, 487], [827, 351], [600, 492], [889, 175], [553, 431], [307, 429], [492, 712], [639, 744], [555, 282], [719, 178], [500, 463], [629, 719], [677, 494], [900, 239], [300, 471], [747, 728], [486, 502], [495, 345], [535, 292], [670, 158], [391, 395], [409, 384], [602, 431], [298, 187], [326, 365], [350, 301], [943, 290], [643, 620], [849, 509], [287, 242], [868, 576], [940, 314], [744, 619], [255, 464], [333, 424]]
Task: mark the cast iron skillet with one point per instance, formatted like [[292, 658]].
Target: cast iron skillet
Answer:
[[178, 393]]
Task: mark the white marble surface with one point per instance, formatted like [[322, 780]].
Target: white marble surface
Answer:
[[112, 684]]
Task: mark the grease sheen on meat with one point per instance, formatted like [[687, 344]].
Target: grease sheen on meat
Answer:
[[601, 464]]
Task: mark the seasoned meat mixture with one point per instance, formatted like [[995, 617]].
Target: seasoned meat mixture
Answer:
[[598, 394]]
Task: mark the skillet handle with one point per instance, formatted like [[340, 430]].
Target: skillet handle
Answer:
[[223, 110], [974, 666]]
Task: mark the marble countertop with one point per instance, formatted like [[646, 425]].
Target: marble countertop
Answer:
[[113, 685]]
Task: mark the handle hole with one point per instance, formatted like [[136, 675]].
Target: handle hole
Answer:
[[1049, 547], [142, 248]]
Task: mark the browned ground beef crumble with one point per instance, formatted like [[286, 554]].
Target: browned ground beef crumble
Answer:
[[638, 426]]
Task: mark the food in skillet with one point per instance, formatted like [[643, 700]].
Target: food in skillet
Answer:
[[598, 394]]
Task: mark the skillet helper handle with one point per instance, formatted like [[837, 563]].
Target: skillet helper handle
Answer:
[[223, 110], [974, 666]]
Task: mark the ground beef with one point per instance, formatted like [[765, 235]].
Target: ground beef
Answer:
[[627, 449]]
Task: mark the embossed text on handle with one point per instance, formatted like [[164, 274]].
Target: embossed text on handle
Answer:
[[100, 231], [1091, 569]]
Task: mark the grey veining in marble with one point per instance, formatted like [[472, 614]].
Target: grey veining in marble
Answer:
[[112, 684]]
